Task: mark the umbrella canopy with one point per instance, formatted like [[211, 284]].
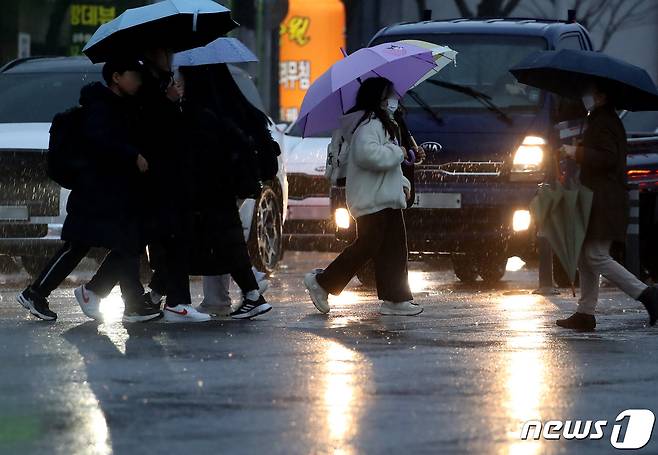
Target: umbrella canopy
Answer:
[[569, 72], [334, 93], [222, 50], [175, 25], [443, 56], [562, 215]]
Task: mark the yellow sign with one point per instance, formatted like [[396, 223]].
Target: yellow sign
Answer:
[[311, 38]]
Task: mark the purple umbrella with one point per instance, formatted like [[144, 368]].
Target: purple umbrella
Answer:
[[334, 93]]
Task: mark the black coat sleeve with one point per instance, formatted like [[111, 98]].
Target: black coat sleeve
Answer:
[[107, 136]]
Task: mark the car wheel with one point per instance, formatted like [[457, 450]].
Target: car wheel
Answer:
[[367, 275], [33, 264], [492, 267], [464, 266], [266, 237]]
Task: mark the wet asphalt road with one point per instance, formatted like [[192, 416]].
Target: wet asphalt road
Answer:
[[460, 378]]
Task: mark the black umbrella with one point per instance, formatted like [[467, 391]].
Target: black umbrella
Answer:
[[176, 25], [569, 73]]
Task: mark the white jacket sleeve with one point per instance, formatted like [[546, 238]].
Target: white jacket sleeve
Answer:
[[372, 150]]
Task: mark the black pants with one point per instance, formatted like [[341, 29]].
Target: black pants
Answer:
[[170, 263], [382, 238], [116, 266]]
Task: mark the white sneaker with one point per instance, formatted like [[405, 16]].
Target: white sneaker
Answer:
[[319, 296], [400, 309], [89, 302], [184, 313]]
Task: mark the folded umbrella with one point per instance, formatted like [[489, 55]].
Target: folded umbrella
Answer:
[[569, 72], [175, 25], [222, 50], [562, 214], [334, 92]]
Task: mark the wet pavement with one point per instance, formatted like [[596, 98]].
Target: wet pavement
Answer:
[[460, 378]]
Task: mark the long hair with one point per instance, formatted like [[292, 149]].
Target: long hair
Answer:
[[369, 98]]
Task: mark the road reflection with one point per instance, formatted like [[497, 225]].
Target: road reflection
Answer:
[[525, 371], [111, 308], [343, 374]]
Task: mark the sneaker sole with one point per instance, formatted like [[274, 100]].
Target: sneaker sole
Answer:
[[145, 318], [77, 292], [320, 307], [260, 309], [33, 311], [400, 313]]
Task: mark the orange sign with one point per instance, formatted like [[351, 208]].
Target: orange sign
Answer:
[[311, 37]]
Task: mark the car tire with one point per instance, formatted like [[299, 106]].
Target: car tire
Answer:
[[465, 267], [266, 236], [33, 264], [492, 266], [366, 275]]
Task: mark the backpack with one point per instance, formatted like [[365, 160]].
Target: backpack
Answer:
[[65, 158], [337, 153]]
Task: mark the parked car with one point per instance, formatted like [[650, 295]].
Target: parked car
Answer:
[[640, 123], [490, 141], [32, 207]]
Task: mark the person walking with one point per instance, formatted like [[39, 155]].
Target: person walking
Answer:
[[164, 192], [103, 205], [602, 159], [214, 148], [377, 192]]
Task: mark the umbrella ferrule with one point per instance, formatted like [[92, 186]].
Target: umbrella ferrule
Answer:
[[195, 20]]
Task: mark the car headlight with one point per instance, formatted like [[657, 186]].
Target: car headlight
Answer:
[[529, 157], [521, 220], [343, 218]]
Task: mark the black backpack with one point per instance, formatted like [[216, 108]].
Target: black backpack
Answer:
[[65, 157]]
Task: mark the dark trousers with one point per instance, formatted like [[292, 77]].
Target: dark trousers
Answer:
[[382, 238], [170, 263], [116, 266]]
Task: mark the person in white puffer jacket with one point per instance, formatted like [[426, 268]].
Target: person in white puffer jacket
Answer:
[[377, 192]]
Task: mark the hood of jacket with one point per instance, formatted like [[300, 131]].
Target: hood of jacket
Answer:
[[348, 124]]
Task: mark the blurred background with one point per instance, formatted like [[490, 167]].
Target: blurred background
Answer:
[[296, 40]]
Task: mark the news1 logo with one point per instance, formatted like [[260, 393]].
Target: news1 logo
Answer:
[[632, 429]]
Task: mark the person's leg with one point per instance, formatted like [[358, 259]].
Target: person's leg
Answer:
[[601, 261], [391, 260], [58, 268], [370, 235], [107, 276], [158, 261], [589, 280], [245, 279], [216, 291]]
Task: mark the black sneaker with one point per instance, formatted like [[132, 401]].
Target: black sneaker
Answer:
[[36, 305], [251, 308], [142, 311], [649, 299], [580, 322]]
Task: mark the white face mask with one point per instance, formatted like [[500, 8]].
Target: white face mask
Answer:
[[588, 102], [392, 104]]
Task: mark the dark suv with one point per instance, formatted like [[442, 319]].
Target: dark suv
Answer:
[[490, 141]]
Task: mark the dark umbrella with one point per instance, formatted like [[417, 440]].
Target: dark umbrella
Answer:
[[569, 72], [175, 25]]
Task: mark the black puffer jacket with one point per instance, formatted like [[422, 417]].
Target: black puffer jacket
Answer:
[[102, 208]]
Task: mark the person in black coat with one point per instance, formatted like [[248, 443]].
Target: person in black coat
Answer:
[[103, 205], [221, 161], [602, 159]]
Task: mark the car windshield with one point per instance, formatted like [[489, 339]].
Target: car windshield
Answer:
[[483, 64], [641, 122], [37, 97]]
